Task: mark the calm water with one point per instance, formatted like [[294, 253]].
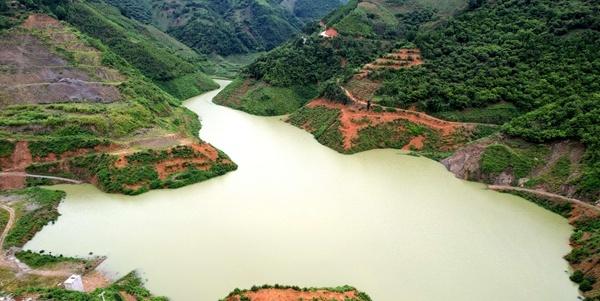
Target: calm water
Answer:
[[296, 212]]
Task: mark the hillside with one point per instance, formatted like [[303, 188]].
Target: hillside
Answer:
[[502, 92], [228, 27], [367, 29], [74, 107], [481, 63], [170, 64]]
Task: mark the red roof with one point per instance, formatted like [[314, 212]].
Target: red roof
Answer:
[[330, 33]]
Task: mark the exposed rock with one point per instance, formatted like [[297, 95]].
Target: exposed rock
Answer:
[[504, 178], [465, 163]]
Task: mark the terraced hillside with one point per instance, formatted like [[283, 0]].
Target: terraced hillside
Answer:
[[170, 64], [503, 92], [72, 108], [34, 74], [462, 70], [364, 87], [367, 30]]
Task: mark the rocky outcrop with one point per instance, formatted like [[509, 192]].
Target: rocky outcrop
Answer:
[[552, 167], [465, 163]]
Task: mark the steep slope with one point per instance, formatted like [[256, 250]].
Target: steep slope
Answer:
[[518, 78], [482, 63], [367, 30], [73, 108], [228, 27], [498, 61], [171, 65], [310, 10]]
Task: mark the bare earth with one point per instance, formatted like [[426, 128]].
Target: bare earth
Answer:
[[273, 294]]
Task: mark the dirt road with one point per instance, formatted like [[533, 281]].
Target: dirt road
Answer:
[[22, 174], [9, 224], [544, 194]]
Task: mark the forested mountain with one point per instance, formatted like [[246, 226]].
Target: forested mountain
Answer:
[[228, 27], [531, 66], [366, 29], [502, 92]]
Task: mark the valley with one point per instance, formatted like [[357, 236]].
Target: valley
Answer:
[[350, 181], [377, 203]]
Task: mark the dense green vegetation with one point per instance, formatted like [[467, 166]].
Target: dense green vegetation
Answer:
[[574, 118], [156, 59], [140, 174], [499, 113], [39, 209], [6, 148], [150, 64], [38, 260], [526, 53], [498, 158], [312, 60], [539, 56], [189, 85], [227, 27], [310, 10], [528, 65]]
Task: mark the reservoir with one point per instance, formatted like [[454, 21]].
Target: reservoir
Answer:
[[398, 227]]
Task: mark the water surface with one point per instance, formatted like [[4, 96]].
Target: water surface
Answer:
[[295, 212]]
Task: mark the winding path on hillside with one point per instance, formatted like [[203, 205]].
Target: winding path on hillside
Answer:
[[23, 174], [7, 227], [543, 194], [423, 116]]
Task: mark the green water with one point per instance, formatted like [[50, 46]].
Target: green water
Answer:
[[295, 212]]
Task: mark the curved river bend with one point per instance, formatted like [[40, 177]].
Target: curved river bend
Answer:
[[295, 212]]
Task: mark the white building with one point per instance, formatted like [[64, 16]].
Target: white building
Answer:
[[74, 283]]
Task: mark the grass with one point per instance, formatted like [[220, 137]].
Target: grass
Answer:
[[60, 145], [140, 174], [33, 203], [69, 127], [586, 239], [11, 283], [264, 100], [131, 283], [40, 208], [498, 158], [355, 23], [322, 123], [4, 216], [188, 86], [39, 260]]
